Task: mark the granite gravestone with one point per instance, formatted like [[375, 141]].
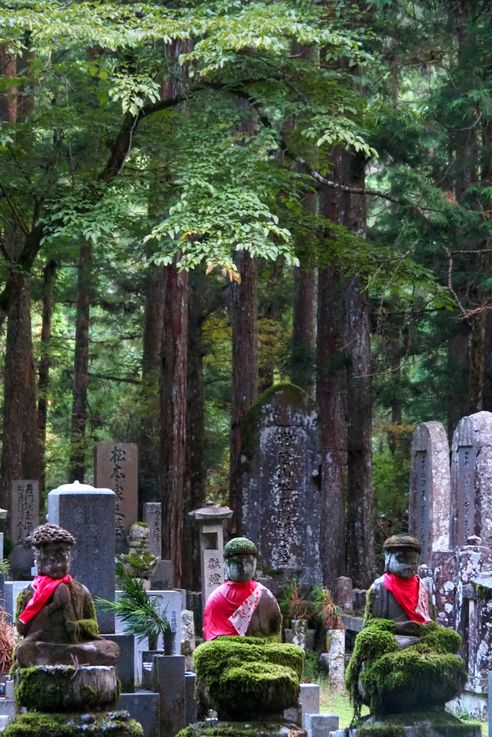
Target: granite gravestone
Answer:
[[116, 468], [471, 480], [152, 515], [280, 494], [88, 514], [430, 488], [24, 517]]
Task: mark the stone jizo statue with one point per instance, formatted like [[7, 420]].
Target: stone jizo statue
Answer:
[[241, 606], [139, 562], [55, 614]]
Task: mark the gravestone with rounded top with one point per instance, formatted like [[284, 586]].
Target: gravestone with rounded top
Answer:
[[280, 492], [88, 513], [430, 488], [471, 480]]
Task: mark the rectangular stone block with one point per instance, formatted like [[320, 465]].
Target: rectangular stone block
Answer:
[[168, 679], [163, 576], [88, 513], [12, 590], [309, 700], [116, 468], [143, 706], [125, 665], [23, 518], [191, 705], [320, 725]]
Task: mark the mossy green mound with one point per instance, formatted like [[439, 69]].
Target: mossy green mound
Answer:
[[435, 723], [392, 680], [248, 677], [110, 724], [242, 729]]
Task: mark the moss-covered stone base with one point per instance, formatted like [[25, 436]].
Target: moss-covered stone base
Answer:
[[243, 729], [102, 724], [415, 724]]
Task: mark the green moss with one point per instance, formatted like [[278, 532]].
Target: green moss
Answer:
[[48, 690], [141, 524], [426, 674], [483, 592], [35, 724], [140, 560], [242, 676], [439, 721], [231, 729], [85, 629]]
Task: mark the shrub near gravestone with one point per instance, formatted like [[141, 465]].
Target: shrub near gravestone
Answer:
[[246, 677]]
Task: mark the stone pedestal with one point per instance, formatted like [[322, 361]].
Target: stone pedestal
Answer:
[[212, 728], [100, 724], [412, 724]]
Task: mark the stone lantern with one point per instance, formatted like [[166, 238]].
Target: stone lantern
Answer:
[[211, 523]]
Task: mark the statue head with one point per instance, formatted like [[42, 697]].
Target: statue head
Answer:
[[401, 555], [52, 548], [240, 556], [138, 536]]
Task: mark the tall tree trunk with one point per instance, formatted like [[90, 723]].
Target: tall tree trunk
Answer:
[[150, 428], [331, 384], [21, 456], [244, 368], [360, 522], [304, 318], [81, 367], [195, 433], [269, 328], [49, 277], [8, 98], [173, 392]]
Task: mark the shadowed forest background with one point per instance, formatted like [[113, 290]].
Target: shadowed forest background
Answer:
[[199, 200]]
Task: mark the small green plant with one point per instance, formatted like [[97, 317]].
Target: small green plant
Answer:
[[137, 610], [325, 610], [293, 604]]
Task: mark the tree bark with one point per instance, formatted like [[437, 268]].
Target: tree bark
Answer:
[[304, 329], [49, 277], [360, 521], [195, 434], [81, 367], [331, 386], [150, 429], [269, 327], [244, 369], [21, 455], [173, 392]]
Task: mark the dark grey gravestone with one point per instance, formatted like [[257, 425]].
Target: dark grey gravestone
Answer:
[[23, 518], [116, 468], [12, 590], [88, 513], [143, 706], [168, 680], [191, 714], [471, 480], [430, 488], [320, 725], [280, 494], [152, 515], [125, 665]]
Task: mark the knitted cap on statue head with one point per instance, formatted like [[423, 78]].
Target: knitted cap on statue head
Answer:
[[402, 541], [240, 546], [49, 534]]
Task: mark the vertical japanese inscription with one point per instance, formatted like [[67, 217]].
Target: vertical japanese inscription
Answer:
[[25, 510], [116, 469]]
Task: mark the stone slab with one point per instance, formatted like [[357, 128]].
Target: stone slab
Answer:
[[309, 695], [168, 679], [23, 518], [143, 706], [152, 515], [116, 468], [88, 513], [162, 578], [125, 665], [191, 711], [320, 725], [12, 591]]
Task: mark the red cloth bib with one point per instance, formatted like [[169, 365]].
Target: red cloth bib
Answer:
[[221, 604], [411, 594], [44, 587]]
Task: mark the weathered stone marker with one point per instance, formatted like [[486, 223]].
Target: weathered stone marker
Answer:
[[471, 480], [280, 506], [24, 517], [88, 513], [116, 468], [430, 488], [211, 521], [152, 515]]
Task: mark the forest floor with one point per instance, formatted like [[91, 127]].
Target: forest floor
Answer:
[[338, 703]]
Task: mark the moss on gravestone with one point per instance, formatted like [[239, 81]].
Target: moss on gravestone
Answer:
[[109, 724], [242, 676]]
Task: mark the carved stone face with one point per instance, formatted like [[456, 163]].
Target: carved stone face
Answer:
[[138, 537], [240, 568], [53, 560], [402, 563]]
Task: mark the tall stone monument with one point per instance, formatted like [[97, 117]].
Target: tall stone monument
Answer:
[[430, 488], [152, 515], [23, 518], [88, 514], [116, 468], [280, 491], [471, 480]]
